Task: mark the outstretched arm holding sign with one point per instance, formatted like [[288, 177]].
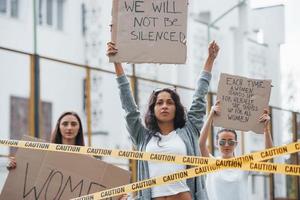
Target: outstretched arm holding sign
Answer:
[[134, 122], [213, 51], [197, 111], [68, 131], [205, 130], [265, 118]]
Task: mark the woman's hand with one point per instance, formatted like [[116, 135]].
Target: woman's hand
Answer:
[[123, 197], [111, 49], [12, 163], [265, 118], [213, 50], [216, 109]]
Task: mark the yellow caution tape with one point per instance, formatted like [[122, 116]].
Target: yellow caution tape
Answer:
[[133, 187], [247, 162], [293, 170], [137, 155], [190, 173]]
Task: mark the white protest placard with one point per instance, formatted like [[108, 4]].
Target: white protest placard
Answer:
[[150, 31], [242, 102]]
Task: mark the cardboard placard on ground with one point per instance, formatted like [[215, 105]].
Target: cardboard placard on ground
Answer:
[[242, 102], [42, 175], [152, 31]]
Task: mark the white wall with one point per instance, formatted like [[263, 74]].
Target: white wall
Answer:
[[14, 81], [18, 33], [274, 36], [66, 44], [14, 76]]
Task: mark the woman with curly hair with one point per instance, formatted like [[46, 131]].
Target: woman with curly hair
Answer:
[[167, 130]]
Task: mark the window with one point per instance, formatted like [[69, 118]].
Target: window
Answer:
[[40, 16], [9, 8], [83, 22], [3, 6], [14, 8], [49, 17], [60, 4], [51, 12], [260, 36]]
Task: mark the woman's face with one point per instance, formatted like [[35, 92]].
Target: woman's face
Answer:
[[164, 108], [226, 144], [69, 126]]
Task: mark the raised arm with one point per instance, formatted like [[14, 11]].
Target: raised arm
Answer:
[[112, 50], [213, 51], [265, 118], [205, 130], [133, 120], [198, 109]]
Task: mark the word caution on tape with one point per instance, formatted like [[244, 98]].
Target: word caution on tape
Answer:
[[249, 162]]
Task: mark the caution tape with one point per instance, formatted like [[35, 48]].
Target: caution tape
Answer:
[[190, 173], [277, 168], [134, 155], [181, 175], [133, 187], [247, 162], [146, 156]]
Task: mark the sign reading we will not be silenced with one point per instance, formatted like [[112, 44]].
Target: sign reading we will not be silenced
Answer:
[[150, 31], [242, 102]]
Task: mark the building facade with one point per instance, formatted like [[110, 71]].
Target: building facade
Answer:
[[70, 35]]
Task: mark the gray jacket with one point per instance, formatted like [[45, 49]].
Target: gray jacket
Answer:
[[140, 135]]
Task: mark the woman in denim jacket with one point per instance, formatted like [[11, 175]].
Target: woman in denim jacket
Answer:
[[167, 130]]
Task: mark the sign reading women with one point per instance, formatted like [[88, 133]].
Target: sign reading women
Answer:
[[242, 102], [150, 31], [42, 175]]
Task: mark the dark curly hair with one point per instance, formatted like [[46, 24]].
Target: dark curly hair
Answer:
[[56, 136], [180, 114]]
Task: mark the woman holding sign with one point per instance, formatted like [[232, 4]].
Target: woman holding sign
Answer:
[[69, 131], [168, 130], [228, 184]]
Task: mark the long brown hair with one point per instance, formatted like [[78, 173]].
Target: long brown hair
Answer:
[[180, 115], [56, 136]]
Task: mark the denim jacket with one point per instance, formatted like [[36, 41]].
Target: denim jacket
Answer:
[[140, 135]]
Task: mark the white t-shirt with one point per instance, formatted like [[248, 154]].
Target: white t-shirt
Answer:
[[169, 144], [228, 184]]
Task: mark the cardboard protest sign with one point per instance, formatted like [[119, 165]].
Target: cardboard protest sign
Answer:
[[150, 31], [44, 175], [242, 102]]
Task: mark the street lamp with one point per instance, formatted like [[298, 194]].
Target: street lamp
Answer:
[[35, 115]]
